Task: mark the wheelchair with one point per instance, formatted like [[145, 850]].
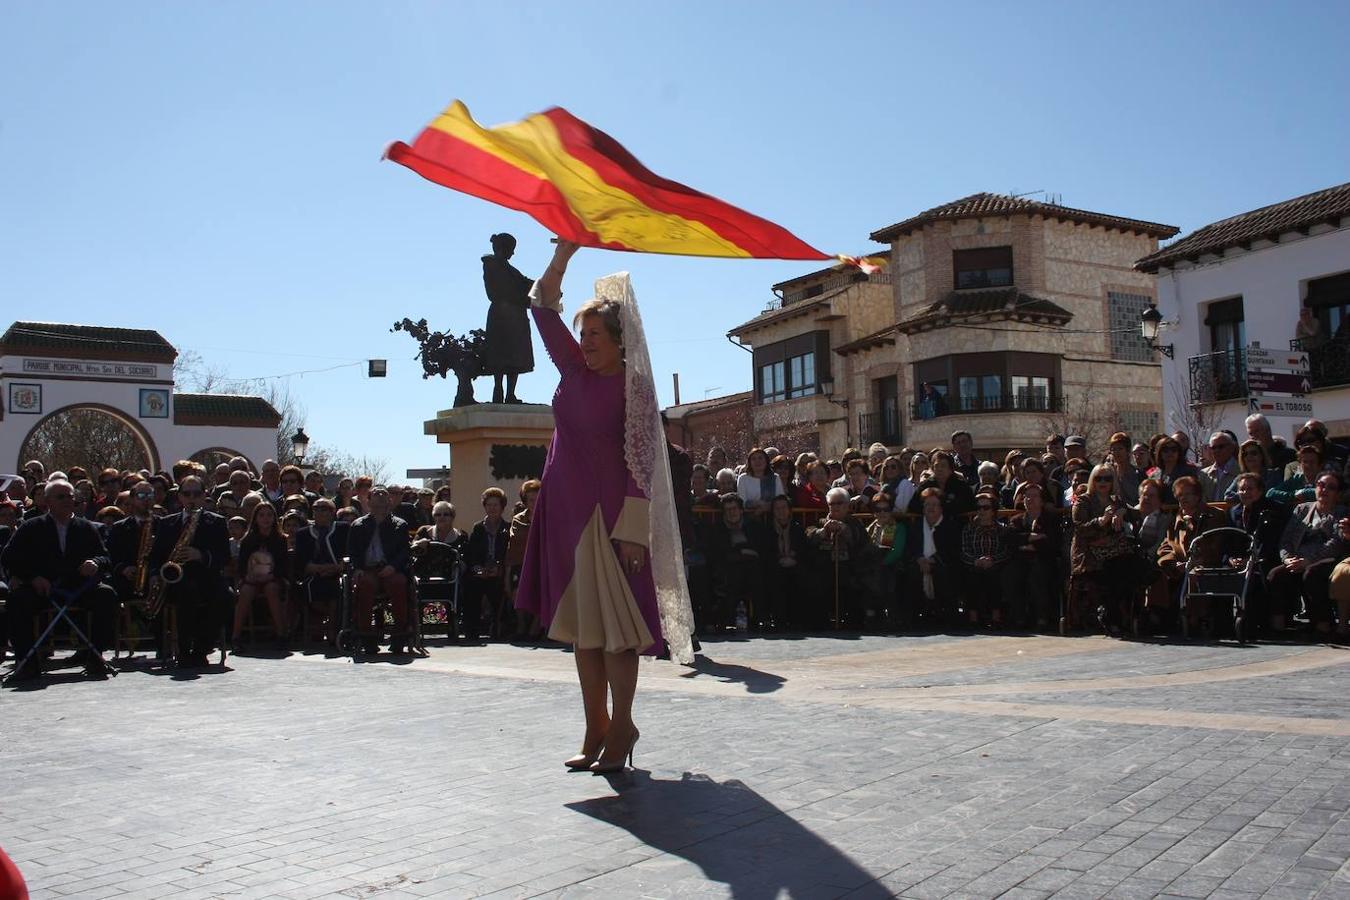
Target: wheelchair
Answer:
[[1211, 582], [351, 635], [437, 568]]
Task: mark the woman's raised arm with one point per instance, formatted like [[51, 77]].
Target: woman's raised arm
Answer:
[[546, 297]]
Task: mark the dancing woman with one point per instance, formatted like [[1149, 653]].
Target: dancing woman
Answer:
[[602, 567]]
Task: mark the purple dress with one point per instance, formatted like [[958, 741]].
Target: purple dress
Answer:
[[572, 578]]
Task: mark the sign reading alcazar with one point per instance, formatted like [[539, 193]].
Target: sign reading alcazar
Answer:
[[51, 372]]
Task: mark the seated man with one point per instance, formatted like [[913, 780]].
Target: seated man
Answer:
[[198, 598], [839, 541], [933, 564], [783, 556], [378, 546], [734, 546], [50, 551], [125, 544], [318, 558]]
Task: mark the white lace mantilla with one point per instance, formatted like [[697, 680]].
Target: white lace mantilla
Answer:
[[644, 451]]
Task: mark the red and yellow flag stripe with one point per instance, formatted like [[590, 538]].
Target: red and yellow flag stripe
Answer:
[[584, 186]]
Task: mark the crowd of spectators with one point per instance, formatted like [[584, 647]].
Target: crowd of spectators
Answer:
[[873, 540], [1037, 539], [284, 544]]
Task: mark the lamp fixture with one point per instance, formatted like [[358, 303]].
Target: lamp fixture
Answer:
[[299, 444], [1150, 323]]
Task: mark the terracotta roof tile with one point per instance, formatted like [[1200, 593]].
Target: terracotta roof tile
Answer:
[[1007, 303], [94, 341], [985, 204], [1268, 222], [224, 409]]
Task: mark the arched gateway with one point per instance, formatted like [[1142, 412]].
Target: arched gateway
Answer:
[[103, 397]]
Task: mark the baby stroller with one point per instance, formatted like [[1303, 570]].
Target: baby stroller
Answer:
[[1219, 569]]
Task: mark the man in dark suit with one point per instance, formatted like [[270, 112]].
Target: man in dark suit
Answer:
[[485, 555], [57, 550], [378, 546], [319, 549], [124, 540], [784, 554], [198, 597], [933, 560], [735, 544]]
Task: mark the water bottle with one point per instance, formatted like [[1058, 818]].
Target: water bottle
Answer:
[[742, 621]]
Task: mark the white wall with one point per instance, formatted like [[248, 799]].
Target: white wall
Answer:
[[1270, 280], [169, 442]]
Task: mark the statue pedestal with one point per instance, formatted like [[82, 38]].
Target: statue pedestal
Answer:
[[492, 445]]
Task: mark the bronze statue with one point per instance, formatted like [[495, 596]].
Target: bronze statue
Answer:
[[507, 349]]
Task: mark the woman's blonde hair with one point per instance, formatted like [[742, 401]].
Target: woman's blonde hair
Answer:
[[608, 311]]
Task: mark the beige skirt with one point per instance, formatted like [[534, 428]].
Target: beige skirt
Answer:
[[597, 610]]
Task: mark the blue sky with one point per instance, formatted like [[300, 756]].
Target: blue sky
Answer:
[[213, 171]]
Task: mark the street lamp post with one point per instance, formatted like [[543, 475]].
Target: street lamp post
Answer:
[[827, 391]]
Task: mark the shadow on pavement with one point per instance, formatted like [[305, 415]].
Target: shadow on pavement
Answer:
[[732, 834], [755, 680]]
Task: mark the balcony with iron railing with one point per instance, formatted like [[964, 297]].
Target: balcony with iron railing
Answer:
[[1005, 403], [1328, 359], [1216, 377], [879, 427]]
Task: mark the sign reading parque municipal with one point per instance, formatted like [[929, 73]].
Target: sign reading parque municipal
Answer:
[[41, 367]]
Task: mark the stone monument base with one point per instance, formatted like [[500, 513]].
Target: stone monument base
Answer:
[[491, 445]]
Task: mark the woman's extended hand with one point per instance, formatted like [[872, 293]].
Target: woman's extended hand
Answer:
[[632, 556], [549, 287]]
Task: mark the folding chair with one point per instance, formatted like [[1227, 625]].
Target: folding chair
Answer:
[[435, 581], [1211, 581], [61, 600]]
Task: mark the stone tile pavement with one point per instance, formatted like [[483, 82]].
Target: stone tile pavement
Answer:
[[922, 767]]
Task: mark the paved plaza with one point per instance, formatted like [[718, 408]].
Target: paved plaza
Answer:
[[926, 767]]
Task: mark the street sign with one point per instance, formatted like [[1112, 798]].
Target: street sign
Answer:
[[1262, 358], [1280, 406], [1277, 382], [442, 472]]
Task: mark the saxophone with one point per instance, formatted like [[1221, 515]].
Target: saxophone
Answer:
[[142, 578], [172, 570]]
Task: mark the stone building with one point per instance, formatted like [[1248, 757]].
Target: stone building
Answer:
[[1023, 316], [1244, 280], [798, 405]]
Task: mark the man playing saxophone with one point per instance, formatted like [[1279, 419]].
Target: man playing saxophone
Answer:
[[197, 596], [129, 544], [130, 541]]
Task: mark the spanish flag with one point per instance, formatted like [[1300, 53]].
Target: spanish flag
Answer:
[[582, 185]]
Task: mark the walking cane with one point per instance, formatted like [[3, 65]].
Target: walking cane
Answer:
[[834, 555]]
